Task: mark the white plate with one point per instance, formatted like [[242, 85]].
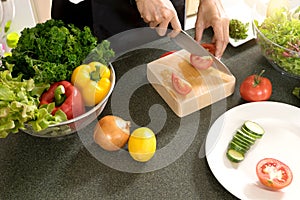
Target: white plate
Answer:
[[240, 10], [281, 141]]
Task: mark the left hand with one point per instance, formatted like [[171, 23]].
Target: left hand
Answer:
[[211, 13], [159, 14]]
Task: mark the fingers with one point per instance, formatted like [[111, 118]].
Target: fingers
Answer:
[[199, 28], [221, 39]]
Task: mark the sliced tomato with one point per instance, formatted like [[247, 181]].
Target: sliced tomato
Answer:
[[201, 62], [181, 85], [273, 173], [167, 53], [210, 47]]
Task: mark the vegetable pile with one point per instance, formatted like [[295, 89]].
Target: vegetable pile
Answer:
[[238, 30], [243, 140], [50, 51], [46, 56], [19, 103], [280, 39]]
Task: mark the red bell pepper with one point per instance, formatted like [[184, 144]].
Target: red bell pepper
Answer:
[[67, 98]]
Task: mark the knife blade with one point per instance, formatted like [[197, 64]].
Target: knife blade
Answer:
[[185, 41]]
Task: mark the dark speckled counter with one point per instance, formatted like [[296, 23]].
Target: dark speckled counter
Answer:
[[37, 168]]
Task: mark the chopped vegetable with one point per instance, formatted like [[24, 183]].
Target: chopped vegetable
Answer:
[[93, 81], [50, 51], [281, 28], [273, 173], [243, 140], [181, 85], [296, 92], [66, 97], [237, 29]]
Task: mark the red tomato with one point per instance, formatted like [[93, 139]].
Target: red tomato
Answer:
[[180, 85], [210, 47], [167, 53], [273, 173], [256, 88], [201, 62]]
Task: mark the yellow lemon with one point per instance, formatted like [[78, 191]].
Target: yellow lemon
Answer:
[[142, 144], [12, 39]]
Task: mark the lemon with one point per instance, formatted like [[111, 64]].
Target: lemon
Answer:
[[12, 39], [142, 144]]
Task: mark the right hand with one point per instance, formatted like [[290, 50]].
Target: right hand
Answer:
[[159, 14]]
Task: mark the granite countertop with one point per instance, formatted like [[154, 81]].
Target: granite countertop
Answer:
[[66, 168]]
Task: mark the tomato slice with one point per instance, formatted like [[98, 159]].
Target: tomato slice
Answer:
[[273, 173], [180, 85], [201, 62], [209, 47]]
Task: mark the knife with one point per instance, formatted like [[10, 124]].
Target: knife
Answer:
[[185, 41]]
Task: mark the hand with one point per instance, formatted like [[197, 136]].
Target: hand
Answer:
[[159, 14], [211, 13]]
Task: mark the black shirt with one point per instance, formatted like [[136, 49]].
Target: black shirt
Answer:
[[105, 17]]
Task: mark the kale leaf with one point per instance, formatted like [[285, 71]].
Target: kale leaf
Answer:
[[50, 51]]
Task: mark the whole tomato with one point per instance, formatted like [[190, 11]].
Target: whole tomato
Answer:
[[256, 88]]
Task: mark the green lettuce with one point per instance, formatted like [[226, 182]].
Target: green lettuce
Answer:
[[19, 104]]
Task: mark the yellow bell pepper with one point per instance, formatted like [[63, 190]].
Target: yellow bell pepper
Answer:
[[93, 82]]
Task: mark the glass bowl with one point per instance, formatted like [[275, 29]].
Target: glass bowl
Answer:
[[71, 126], [278, 38]]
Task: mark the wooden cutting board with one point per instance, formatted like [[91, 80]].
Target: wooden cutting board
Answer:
[[208, 86]]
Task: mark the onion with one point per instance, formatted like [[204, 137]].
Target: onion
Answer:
[[112, 132]]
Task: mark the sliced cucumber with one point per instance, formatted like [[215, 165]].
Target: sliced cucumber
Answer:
[[249, 133], [237, 147], [243, 140], [253, 128], [234, 156], [241, 144], [247, 137]]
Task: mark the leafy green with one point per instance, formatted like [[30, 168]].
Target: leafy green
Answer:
[[281, 28], [237, 29], [19, 101], [102, 53], [50, 51], [296, 92]]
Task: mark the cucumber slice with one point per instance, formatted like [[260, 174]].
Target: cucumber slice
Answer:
[[234, 156], [240, 140], [250, 137], [245, 140], [241, 144], [254, 136], [253, 128], [237, 147]]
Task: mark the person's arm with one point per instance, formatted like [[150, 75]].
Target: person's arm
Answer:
[[212, 14], [159, 14]]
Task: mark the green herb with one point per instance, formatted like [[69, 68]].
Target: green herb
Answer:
[[19, 101], [238, 30], [102, 53], [50, 51], [281, 28], [296, 92]]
